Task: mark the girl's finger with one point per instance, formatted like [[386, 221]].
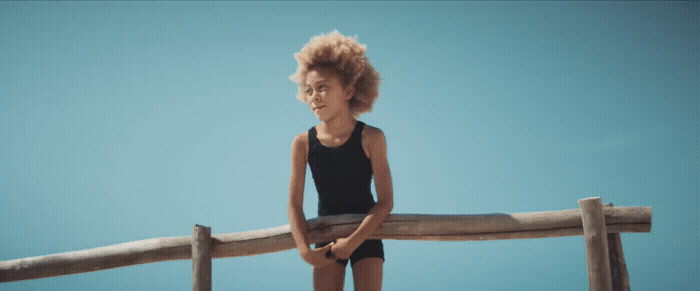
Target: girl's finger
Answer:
[[326, 248]]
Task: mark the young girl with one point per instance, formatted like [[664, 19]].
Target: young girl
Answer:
[[338, 83]]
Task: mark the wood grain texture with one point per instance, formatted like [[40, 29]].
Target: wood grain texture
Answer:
[[595, 235], [201, 258]]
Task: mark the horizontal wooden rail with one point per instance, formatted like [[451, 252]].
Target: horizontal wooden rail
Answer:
[[397, 226]]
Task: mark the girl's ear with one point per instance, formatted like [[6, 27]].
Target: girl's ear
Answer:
[[350, 91]]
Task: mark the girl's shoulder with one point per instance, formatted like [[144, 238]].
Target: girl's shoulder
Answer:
[[303, 135], [373, 138], [301, 141], [302, 138], [372, 133]]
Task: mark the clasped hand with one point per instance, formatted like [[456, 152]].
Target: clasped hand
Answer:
[[319, 257], [323, 256], [342, 248]]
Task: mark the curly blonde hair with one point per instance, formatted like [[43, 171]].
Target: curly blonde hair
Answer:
[[346, 57]]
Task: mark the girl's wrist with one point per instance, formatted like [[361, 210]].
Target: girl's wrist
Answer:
[[306, 255], [304, 251], [353, 241]]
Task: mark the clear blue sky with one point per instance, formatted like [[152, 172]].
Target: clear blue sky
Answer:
[[123, 121]]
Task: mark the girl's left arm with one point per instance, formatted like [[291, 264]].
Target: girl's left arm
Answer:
[[376, 144]]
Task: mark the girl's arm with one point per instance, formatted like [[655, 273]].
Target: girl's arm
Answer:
[[376, 144], [295, 207]]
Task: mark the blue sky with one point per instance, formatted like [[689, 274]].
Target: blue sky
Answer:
[[122, 121]]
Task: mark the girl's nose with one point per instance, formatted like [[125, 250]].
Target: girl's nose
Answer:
[[315, 96]]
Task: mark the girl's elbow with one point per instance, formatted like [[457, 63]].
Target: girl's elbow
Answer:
[[387, 206]]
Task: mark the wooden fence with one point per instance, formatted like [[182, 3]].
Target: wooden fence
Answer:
[[600, 225]]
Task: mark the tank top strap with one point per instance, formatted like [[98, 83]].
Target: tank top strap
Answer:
[[312, 135], [357, 132]]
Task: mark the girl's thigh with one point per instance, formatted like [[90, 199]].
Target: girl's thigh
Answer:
[[331, 277], [367, 274]]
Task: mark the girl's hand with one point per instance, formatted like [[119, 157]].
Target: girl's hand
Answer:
[[342, 248], [317, 257]]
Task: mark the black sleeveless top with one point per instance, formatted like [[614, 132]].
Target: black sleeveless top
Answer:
[[342, 175]]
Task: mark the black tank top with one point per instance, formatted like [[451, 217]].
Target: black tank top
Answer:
[[342, 175]]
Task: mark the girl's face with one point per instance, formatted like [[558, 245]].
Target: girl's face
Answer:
[[326, 95]]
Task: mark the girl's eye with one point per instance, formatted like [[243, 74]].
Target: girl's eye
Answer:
[[308, 91], [322, 88]]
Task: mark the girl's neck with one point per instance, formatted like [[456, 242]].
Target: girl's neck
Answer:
[[338, 126]]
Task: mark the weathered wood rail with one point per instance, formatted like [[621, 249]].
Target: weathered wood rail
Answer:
[[607, 220]]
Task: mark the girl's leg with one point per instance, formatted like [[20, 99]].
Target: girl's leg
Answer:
[[331, 277], [367, 274]]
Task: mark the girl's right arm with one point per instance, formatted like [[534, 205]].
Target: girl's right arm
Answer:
[[295, 207]]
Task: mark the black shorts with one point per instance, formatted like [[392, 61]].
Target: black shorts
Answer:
[[371, 248]]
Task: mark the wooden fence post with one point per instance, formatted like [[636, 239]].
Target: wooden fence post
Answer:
[[201, 258], [595, 235], [618, 266]]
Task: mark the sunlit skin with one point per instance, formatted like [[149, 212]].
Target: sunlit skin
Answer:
[[328, 98]]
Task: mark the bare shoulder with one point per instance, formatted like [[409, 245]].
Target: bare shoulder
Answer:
[[300, 142], [372, 134], [373, 142], [301, 138]]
